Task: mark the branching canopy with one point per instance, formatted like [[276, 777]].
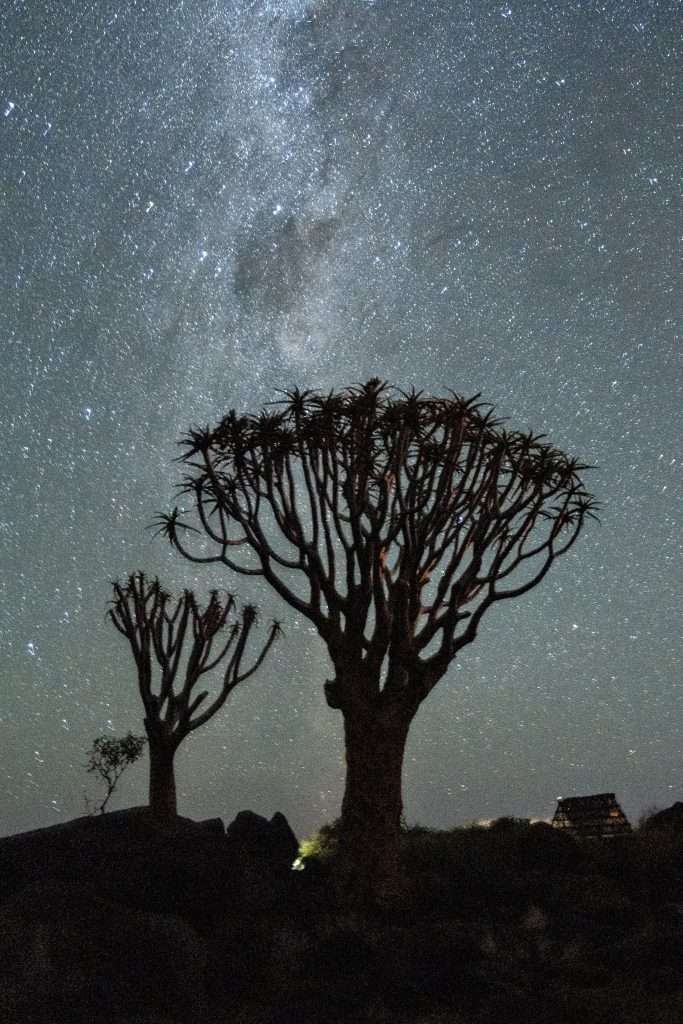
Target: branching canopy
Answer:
[[391, 520], [156, 626]]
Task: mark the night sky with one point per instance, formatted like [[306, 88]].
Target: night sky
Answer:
[[203, 202]]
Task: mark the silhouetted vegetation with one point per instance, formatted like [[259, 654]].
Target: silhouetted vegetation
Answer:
[[393, 521], [109, 757], [156, 627], [515, 921]]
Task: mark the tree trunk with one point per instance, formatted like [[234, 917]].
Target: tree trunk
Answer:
[[369, 860], [162, 794]]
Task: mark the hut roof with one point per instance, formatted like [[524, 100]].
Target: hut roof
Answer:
[[591, 816]]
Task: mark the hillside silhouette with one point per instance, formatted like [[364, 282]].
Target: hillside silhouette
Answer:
[[120, 918]]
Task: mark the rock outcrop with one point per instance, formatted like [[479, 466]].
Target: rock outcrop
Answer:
[[110, 918], [263, 852], [181, 867], [254, 836], [669, 818], [70, 956]]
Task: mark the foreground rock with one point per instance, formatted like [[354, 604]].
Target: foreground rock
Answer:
[[117, 917], [669, 818], [192, 869], [496, 925], [255, 836], [263, 852], [73, 957], [183, 867]]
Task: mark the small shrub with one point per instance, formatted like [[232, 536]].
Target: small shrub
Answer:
[[109, 757], [321, 846], [510, 824]]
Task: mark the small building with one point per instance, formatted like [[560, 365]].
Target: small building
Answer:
[[591, 817]]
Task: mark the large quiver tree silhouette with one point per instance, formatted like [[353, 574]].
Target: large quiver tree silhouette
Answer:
[[187, 643], [392, 521]]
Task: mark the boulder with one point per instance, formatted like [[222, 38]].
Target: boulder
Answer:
[[180, 867], [669, 818], [67, 955], [273, 840], [263, 853], [214, 826]]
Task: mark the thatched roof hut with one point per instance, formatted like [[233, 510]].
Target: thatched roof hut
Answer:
[[594, 816]]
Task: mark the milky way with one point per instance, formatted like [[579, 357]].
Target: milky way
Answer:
[[204, 202]]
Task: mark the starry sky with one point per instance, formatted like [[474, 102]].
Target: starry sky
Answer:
[[202, 202]]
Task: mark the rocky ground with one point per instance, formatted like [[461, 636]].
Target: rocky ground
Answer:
[[116, 919]]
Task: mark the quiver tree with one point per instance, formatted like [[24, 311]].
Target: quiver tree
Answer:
[[392, 521], [187, 643]]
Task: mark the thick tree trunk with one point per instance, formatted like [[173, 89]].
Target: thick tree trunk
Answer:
[[369, 860], [162, 793]]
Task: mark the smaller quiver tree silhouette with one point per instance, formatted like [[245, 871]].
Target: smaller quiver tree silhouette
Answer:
[[187, 643], [109, 757]]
